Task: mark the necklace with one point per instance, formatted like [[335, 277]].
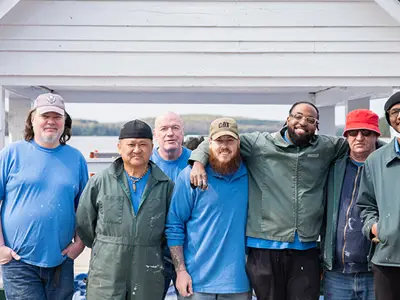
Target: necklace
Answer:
[[135, 180]]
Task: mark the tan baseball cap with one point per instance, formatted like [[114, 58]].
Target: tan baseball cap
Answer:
[[224, 126], [49, 103]]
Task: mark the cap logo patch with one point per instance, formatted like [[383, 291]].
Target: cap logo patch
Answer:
[[51, 99], [223, 125]]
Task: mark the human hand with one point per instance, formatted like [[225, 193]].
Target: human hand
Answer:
[[7, 254], [198, 176], [374, 231], [184, 283], [74, 249]]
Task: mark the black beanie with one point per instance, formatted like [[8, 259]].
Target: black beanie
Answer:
[[393, 100], [136, 129]]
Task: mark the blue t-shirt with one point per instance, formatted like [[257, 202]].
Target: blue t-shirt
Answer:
[[397, 146], [270, 244], [136, 197], [40, 189], [171, 168], [211, 227]]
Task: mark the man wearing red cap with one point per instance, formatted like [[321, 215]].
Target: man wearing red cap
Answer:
[[344, 248], [379, 200]]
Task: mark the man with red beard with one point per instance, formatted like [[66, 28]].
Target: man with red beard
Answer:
[[287, 174], [206, 229]]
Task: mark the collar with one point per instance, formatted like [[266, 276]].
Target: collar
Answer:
[[117, 169], [391, 152], [281, 141]]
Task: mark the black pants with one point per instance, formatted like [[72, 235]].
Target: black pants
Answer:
[[284, 274], [386, 282]]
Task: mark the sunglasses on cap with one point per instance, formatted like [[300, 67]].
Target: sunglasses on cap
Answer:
[[364, 132]]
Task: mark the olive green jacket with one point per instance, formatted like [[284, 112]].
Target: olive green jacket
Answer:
[[286, 183], [379, 201], [126, 260]]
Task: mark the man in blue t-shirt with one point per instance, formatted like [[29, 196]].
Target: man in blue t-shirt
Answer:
[[171, 157], [41, 180], [206, 230]]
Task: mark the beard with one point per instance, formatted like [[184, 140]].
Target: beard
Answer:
[[225, 168], [300, 140]]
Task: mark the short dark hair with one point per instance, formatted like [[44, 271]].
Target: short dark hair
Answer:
[[65, 136], [304, 102], [193, 142]]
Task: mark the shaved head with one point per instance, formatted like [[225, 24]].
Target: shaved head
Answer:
[[168, 116], [168, 132]]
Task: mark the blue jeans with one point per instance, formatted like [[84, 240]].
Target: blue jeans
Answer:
[[23, 281], [340, 286], [206, 296]]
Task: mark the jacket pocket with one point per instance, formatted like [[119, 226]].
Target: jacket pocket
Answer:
[[112, 207]]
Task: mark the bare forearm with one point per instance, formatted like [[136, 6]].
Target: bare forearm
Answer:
[[1, 235], [177, 258]]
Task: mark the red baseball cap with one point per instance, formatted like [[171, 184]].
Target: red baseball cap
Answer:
[[362, 119]]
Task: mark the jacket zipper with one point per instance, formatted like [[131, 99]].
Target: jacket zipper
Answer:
[[296, 191], [347, 217]]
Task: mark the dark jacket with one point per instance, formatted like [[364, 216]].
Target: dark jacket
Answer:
[[126, 261], [379, 200], [344, 247]]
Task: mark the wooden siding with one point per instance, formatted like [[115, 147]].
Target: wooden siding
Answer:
[[199, 41]]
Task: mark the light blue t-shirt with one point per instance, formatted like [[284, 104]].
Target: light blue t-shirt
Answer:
[[270, 244], [397, 146], [40, 189], [211, 227], [172, 168], [136, 197]]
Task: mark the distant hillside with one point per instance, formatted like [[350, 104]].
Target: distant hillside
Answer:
[[194, 125]]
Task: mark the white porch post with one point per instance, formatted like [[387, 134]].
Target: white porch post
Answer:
[[361, 103], [393, 133], [2, 117], [2, 123], [18, 111], [327, 124]]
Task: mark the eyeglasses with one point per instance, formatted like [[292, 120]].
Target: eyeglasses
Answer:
[[393, 113], [300, 117], [354, 133]]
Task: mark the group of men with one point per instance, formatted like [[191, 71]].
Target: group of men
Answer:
[[245, 214]]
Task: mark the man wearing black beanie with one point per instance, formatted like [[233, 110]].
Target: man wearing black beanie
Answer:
[[379, 201], [121, 216]]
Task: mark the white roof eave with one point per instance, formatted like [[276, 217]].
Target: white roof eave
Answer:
[[6, 6], [392, 7]]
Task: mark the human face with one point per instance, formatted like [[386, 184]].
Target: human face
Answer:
[[362, 142], [135, 152], [302, 123], [394, 117], [224, 155], [169, 132], [48, 128], [224, 148]]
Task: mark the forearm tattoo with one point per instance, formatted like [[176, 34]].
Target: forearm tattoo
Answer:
[[178, 258]]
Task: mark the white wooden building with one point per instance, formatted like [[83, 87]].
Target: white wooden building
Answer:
[[252, 52]]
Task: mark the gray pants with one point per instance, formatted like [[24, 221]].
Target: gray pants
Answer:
[[205, 296]]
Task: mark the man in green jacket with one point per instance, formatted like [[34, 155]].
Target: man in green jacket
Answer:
[[121, 216], [287, 174], [379, 200], [345, 249]]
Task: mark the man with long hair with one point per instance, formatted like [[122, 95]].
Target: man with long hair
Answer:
[[206, 229], [41, 180]]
